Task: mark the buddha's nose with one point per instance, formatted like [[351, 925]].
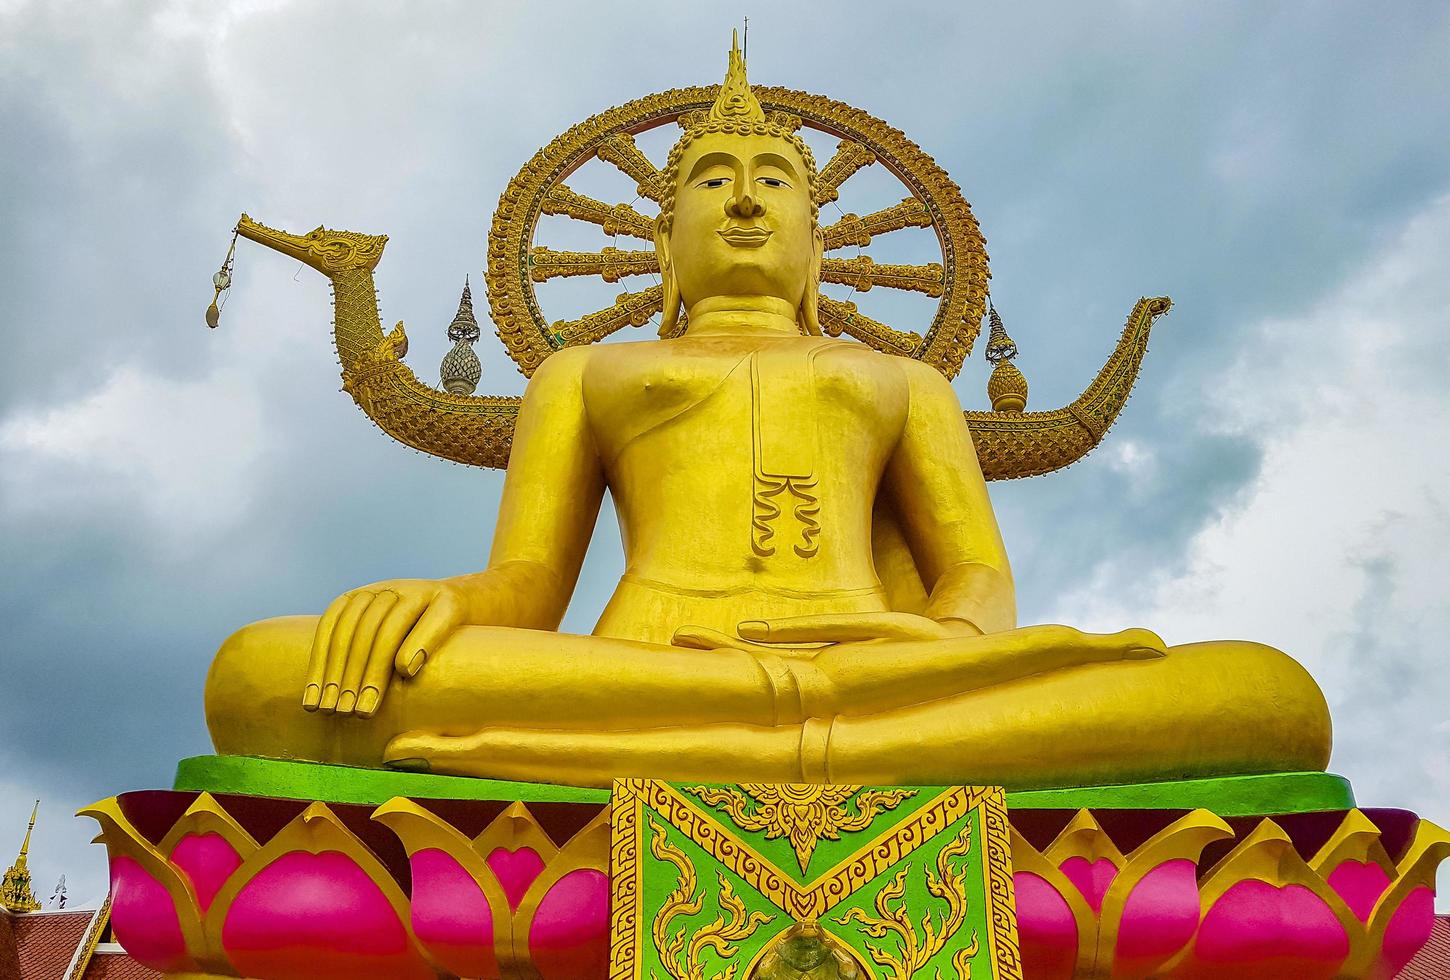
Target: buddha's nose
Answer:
[[744, 206]]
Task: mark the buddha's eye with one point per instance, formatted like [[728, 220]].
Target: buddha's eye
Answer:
[[714, 182], [771, 182]]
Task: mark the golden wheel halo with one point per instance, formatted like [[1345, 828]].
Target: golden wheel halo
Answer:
[[516, 264]]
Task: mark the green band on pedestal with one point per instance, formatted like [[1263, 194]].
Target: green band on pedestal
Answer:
[[250, 776], [1227, 796]]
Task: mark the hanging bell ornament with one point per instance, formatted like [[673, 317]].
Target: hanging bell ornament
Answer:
[[222, 281]]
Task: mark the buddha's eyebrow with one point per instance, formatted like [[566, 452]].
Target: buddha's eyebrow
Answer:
[[776, 160], [716, 159]]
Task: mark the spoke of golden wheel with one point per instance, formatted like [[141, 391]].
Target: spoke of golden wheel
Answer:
[[629, 310], [838, 317], [620, 150], [850, 157], [617, 219], [861, 273], [610, 263], [854, 230]]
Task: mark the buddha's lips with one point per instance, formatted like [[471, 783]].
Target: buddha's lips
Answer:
[[746, 237]]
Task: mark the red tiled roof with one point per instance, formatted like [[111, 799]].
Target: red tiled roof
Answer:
[[1432, 962], [9, 959], [47, 941], [108, 965]]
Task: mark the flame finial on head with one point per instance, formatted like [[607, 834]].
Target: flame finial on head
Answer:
[[736, 102], [737, 111]]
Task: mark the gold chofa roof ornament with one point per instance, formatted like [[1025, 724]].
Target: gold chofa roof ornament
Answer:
[[15, 891], [479, 429]]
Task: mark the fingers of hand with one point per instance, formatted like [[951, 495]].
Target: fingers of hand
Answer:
[[411, 751], [704, 638], [443, 615], [317, 661], [358, 651], [1058, 647], [389, 638], [843, 628], [338, 647], [1143, 644]]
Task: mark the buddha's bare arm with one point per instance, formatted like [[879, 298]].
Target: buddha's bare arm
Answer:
[[550, 502], [940, 498]]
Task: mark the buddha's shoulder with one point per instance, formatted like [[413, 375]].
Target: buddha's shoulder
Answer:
[[628, 359], [618, 354]]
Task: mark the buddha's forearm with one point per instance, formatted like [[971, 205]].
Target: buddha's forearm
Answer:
[[975, 593], [520, 594]]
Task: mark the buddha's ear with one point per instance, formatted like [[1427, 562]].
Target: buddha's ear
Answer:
[[810, 315], [670, 312]]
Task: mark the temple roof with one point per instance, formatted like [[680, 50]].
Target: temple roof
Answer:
[[1432, 962], [45, 943], [56, 945], [115, 964]]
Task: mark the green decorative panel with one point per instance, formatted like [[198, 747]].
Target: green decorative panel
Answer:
[[786, 880]]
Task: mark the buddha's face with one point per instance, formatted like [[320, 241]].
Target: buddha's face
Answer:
[[743, 222]]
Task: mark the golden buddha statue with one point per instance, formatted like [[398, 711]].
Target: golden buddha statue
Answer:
[[815, 587]]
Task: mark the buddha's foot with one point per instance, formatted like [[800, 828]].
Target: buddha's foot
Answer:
[[589, 758]]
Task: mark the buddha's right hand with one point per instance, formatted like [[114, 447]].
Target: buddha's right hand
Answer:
[[369, 633]]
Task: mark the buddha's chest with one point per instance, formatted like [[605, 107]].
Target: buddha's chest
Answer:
[[785, 404]]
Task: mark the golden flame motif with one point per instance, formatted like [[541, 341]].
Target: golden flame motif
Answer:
[[916, 946], [681, 951], [736, 101]]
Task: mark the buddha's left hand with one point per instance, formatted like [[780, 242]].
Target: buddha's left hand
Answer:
[[827, 628], [853, 628]]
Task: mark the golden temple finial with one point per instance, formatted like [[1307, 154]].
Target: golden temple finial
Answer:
[[15, 892], [461, 369], [736, 102], [1007, 387]]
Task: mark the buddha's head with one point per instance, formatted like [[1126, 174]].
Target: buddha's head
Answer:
[[739, 217]]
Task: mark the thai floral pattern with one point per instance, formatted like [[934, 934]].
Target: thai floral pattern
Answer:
[[803, 813]]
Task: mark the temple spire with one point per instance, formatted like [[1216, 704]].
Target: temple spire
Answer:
[[15, 891]]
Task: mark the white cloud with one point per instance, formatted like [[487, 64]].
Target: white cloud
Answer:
[[1339, 553], [181, 454]]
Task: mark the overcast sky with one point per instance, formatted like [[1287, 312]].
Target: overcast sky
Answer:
[[1281, 474]]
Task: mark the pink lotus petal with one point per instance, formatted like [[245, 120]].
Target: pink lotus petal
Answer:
[[1045, 928], [1409, 929], [144, 918], [516, 871], [1092, 879], [318, 916], [207, 861], [569, 937], [1160, 915], [1261, 932], [1360, 884], [451, 916]]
